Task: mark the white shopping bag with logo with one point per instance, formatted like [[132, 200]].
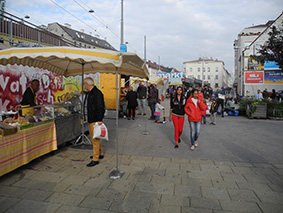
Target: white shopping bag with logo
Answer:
[[100, 131]]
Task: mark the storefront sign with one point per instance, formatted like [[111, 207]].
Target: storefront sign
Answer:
[[254, 77], [172, 76]]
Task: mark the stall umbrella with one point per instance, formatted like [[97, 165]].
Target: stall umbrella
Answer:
[[70, 61]]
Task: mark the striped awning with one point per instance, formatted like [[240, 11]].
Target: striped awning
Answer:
[[68, 61]]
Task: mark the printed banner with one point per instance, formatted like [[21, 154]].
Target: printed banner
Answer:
[[273, 77], [254, 77], [252, 64], [15, 79]]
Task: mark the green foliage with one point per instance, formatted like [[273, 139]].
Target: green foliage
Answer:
[[250, 106], [273, 105], [272, 50]]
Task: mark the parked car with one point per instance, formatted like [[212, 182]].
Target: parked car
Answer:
[[279, 94]]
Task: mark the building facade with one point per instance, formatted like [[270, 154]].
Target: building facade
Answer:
[[209, 71], [250, 75], [79, 38]]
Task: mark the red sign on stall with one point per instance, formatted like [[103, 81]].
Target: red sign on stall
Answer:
[[255, 77]]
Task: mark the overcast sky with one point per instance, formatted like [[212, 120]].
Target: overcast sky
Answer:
[[176, 30]]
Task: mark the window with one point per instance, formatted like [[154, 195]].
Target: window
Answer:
[[208, 77], [208, 69], [191, 69], [203, 77], [216, 69], [216, 85], [216, 77], [198, 76], [198, 69], [203, 69]]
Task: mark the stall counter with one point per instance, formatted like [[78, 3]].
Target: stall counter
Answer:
[[26, 145]]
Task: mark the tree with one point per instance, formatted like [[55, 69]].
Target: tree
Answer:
[[272, 50]]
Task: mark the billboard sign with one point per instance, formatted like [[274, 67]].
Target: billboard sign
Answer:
[[254, 77], [273, 77], [270, 65]]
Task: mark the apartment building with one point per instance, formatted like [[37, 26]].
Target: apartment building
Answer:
[[248, 43], [209, 71]]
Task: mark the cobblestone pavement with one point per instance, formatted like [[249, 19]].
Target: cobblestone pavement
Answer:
[[238, 167]]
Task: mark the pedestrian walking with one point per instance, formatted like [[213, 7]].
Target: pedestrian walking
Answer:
[[141, 91], [177, 113], [131, 97], [220, 98], [203, 113], [95, 114], [193, 109], [152, 100], [213, 111]]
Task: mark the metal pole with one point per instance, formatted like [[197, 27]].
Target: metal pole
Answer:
[[122, 23], [83, 136], [242, 71], [115, 174], [145, 132], [11, 32]]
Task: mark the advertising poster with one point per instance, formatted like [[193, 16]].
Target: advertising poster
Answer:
[[14, 80], [255, 77], [251, 64], [273, 77]]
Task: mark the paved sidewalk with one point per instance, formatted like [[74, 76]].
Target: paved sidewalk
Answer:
[[62, 183], [238, 167]]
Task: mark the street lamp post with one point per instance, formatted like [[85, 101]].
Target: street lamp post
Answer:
[[242, 71]]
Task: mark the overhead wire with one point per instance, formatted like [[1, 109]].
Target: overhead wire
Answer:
[[100, 20], [76, 17], [104, 23]]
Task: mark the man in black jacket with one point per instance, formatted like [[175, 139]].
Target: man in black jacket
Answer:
[[95, 114], [142, 99]]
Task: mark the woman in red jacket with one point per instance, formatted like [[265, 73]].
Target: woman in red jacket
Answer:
[[193, 109]]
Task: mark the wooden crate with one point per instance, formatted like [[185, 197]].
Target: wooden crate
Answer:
[[260, 112]]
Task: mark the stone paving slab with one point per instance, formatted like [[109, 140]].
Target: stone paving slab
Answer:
[[149, 185], [28, 206], [7, 202]]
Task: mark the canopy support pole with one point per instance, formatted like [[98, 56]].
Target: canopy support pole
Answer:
[[115, 174], [85, 139], [145, 132]]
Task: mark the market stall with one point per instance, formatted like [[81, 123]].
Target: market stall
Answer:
[[78, 61], [24, 146]]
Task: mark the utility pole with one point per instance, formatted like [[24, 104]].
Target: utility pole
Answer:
[[122, 23]]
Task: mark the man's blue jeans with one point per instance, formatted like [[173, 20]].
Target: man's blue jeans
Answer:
[[195, 131], [152, 108], [142, 106]]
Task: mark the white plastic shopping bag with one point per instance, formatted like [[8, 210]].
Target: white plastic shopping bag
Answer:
[[100, 131]]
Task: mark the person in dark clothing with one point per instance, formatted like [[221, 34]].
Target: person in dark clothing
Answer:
[[273, 95], [177, 113], [210, 91], [141, 91], [265, 95], [220, 98], [29, 98], [152, 99], [95, 114], [131, 97], [213, 111], [189, 93]]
